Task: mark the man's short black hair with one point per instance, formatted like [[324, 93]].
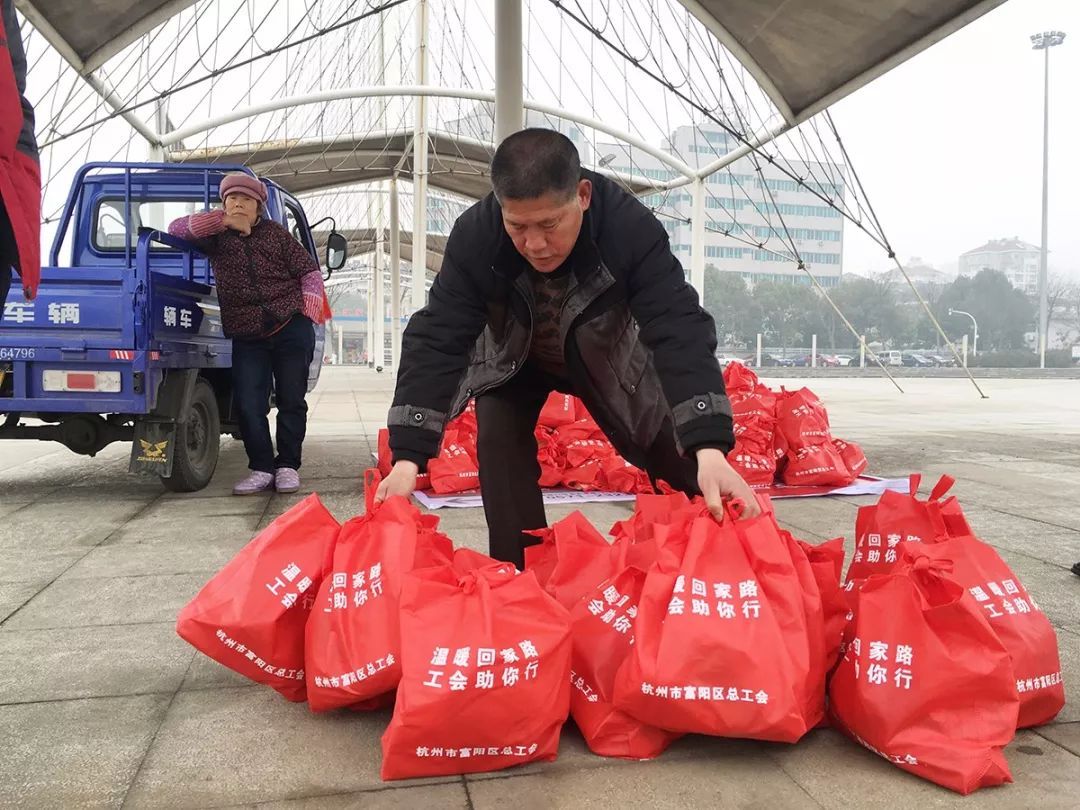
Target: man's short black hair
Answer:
[[535, 162]]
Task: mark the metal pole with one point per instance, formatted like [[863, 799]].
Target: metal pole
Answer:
[[340, 345], [395, 276], [759, 349], [813, 351], [965, 344], [420, 167], [1045, 199], [509, 83], [370, 338], [862, 351], [697, 240]]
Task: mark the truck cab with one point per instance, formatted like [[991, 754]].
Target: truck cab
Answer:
[[124, 340]]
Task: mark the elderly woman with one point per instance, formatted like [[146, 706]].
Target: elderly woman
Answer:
[[270, 291]]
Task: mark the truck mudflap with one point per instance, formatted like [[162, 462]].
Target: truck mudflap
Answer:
[[153, 450]]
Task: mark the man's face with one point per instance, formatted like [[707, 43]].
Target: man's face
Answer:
[[544, 229], [241, 204]]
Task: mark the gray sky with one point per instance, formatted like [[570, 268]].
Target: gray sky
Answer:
[[949, 144]]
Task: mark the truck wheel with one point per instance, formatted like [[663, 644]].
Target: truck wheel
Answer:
[[195, 455]]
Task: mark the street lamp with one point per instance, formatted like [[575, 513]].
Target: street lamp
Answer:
[[974, 323], [1044, 42]]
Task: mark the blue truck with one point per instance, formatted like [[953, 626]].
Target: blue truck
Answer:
[[124, 340]]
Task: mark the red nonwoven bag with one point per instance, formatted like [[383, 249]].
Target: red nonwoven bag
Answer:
[[586, 477], [656, 510], [721, 643], [1016, 619], [802, 418], [485, 673], [816, 465], [454, 470], [559, 410], [602, 629], [250, 617], [853, 456], [897, 518], [827, 563], [352, 642], [925, 682], [758, 469], [570, 560], [619, 475], [550, 456], [739, 381]]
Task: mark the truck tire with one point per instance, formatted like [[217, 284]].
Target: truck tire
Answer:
[[198, 440]]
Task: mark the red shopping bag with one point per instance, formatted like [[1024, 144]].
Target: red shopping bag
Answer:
[[559, 410], [739, 381], [250, 617], [802, 418], [454, 470], [485, 673], [1014, 616], [586, 477], [898, 518], [721, 643], [758, 469], [853, 456], [602, 629], [352, 642], [666, 508], [827, 563], [550, 457], [925, 682], [816, 465], [570, 560], [619, 475]]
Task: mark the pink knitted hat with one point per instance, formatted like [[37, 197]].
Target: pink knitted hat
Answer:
[[245, 184]]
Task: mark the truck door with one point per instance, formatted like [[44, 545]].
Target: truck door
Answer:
[[297, 225]]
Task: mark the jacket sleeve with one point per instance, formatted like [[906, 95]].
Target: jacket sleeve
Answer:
[[201, 229], [435, 350], [682, 338]]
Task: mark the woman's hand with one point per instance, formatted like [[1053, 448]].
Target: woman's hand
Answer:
[[238, 222], [400, 481]]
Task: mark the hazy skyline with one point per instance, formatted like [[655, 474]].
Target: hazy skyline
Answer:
[[949, 144]]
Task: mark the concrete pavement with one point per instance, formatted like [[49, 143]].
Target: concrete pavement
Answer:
[[101, 705]]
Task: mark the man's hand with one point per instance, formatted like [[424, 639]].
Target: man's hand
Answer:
[[718, 481], [400, 481], [238, 222]]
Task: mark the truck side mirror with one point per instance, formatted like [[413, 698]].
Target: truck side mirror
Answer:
[[337, 247]]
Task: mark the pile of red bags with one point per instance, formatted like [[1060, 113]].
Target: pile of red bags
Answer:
[[784, 437], [931, 655], [946, 653], [779, 437]]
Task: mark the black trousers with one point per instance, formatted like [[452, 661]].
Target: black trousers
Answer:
[[509, 472], [282, 359]]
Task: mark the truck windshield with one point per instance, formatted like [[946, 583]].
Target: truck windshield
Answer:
[[110, 228]]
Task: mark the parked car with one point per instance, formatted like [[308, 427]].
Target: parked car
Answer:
[[768, 361], [844, 359], [822, 360], [916, 360], [891, 358], [941, 360]]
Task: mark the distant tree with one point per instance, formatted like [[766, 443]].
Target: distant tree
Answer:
[[728, 300], [786, 311], [1004, 313]]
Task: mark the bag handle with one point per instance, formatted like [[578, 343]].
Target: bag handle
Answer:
[[913, 484], [943, 485], [372, 479]]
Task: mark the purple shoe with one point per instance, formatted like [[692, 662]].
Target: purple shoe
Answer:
[[287, 479], [255, 483]]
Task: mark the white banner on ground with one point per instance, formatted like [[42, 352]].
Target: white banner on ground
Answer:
[[865, 485]]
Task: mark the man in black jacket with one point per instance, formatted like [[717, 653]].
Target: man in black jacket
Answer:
[[561, 280]]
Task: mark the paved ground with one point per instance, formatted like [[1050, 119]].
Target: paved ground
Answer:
[[102, 705]]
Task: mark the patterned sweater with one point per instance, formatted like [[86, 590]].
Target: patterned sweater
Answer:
[[263, 279]]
